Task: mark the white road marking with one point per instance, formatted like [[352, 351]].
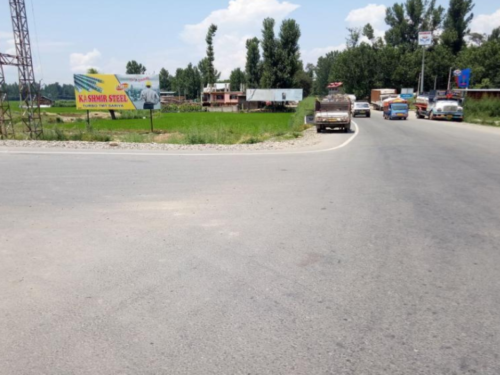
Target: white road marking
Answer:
[[352, 138]]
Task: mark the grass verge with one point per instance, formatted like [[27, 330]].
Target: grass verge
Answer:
[[179, 128], [484, 112]]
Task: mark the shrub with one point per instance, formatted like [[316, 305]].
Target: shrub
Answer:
[[305, 108], [486, 110], [64, 103], [57, 134], [182, 108], [134, 115]]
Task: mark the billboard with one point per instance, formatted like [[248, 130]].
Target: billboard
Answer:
[[118, 92], [462, 78], [425, 38], [275, 95]]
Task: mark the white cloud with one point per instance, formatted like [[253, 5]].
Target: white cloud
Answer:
[[6, 35], [81, 62], [312, 55], [373, 14], [485, 23], [241, 20]]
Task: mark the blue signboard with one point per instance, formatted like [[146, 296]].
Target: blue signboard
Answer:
[[406, 96], [463, 78]]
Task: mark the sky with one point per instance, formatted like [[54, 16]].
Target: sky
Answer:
[[69, 37]]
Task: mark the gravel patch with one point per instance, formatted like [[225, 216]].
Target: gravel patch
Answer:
[[309, 138]]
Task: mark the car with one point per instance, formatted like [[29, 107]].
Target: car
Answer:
[[361, 109]]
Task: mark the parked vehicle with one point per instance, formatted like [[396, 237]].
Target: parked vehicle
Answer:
[[361, 109], [379, 95], [396, 109], [333, 112], [442, 105]]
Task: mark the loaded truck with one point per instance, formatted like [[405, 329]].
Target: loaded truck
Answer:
[[442, 105], [334, 110], [379, 95], [396, 109]]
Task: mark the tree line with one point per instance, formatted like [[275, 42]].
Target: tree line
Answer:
[[272, 62], [54, 91], [395, 60]]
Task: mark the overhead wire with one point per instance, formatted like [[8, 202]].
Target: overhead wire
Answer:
[[36, 40]]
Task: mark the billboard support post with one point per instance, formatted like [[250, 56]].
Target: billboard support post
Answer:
[[151, 118], [115, 92], [423, 71], [449, 79], [88, 121], [424, 40]]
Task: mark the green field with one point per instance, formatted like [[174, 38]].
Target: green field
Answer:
[[14, 106], [67, 123], [197, 128]]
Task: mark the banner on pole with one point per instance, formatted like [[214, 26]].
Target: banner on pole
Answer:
[[425, 38], [462, 78], [117, 92]]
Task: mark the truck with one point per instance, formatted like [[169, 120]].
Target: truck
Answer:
[[334, 112], [379, 95], [440, 105], [396, 109]]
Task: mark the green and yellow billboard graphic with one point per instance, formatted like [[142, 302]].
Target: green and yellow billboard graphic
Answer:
[[117, 92]]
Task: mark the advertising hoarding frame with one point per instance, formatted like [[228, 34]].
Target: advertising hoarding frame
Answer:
[[117, 92], [275, 95]]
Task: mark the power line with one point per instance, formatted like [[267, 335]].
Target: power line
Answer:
[[36, 39]]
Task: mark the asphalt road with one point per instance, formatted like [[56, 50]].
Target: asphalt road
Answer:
[[382, 257]]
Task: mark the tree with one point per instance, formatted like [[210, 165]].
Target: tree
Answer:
[[456, 25], [484, 61], [133, 67], [203, 69], [369, 32], [269, 49], [210, 69], [178, 82], [495, 35], [406, 20], [311, 70], [356, 67], [352, 39], [476, 38], [92, 71], [253, 68], [192, 82], [165, 83], [289, 54], [303, 80], [237, 78], [323, 70]]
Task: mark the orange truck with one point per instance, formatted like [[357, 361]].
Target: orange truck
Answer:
[[378, 97]]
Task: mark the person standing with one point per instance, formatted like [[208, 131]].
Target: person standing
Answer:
[[149, 96]]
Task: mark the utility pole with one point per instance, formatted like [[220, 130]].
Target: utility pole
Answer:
[[449, 79], [29, 91], [423, 70], [424, 40]]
